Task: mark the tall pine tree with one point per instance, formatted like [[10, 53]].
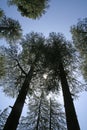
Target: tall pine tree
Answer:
[[60, 59], [31, 48]]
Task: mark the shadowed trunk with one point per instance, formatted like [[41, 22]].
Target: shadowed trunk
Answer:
[[50, 115], [71, 118], [13, 119]]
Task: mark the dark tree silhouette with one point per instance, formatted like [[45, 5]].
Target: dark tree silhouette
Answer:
[[56, 58], [34, 45], [59, 58]]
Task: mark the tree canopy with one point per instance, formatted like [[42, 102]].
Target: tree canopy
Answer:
[[10, 29], [59, 49], [32, 9], [44, 113], [60, 58], [54, 56], [34, 67], [18, 62], [3, 117], [79, 36], [1, 12]]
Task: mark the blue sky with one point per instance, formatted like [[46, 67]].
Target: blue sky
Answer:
[[60, 16]]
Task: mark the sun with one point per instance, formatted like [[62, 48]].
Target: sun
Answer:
[[45, 76]]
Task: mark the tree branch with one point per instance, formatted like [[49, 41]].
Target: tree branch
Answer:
[[20, 67]]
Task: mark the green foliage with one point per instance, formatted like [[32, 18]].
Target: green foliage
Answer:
[[3, 117], [40, 109], [10, 29], [32, 9], [2, 66], [61, 61], [57, 116], [12, 80], [33, 45], [59, 50], [35, 119], [1, 13], [18, 63], [79, 36], [45, 55]]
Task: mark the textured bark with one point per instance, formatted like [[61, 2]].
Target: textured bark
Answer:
[[71, 118], [13, 119]]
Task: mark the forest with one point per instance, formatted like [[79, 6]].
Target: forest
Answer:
[[39, 70]]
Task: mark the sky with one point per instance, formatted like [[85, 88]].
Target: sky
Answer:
[[60, 16]]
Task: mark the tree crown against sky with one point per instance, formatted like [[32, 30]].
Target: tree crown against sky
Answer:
[[43, 112], [10, 29], [32, 9], [79, 36], [51, 50], [68, 73], [1, 13], [45, 55], [18, 63], [59, 49], [60, 60]]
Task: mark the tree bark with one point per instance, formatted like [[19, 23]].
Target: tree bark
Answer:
[[50, 115], [71, 118], [13, 119]]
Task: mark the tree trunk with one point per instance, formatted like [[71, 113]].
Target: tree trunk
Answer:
[[50, 115], [71, 118], [39, 112], [13, 119]]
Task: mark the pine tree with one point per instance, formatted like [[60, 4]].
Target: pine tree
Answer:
[[79, 36], [59, 58], [1, 13], [2, 66], [57, 116], [56, 59], [10, 29], [32, 9], [34, 45], [42, 114], [3, 117], [37, 115]]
